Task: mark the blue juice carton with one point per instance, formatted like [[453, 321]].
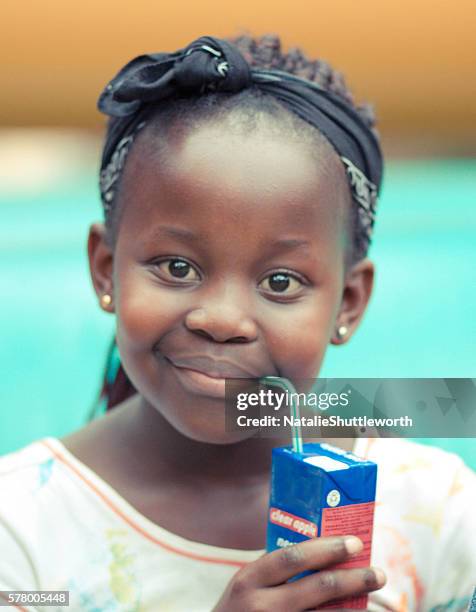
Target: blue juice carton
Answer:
[[322, 491]]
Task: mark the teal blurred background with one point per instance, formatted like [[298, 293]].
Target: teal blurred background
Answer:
[[420, 322]]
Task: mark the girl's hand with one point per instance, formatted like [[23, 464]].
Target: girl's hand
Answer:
[[262, 585]]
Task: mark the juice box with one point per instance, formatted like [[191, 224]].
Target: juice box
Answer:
[[323, 491]]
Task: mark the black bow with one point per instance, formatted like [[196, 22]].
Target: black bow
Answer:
[[207, 64]]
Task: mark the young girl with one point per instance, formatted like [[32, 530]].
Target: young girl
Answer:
[[239, 188]]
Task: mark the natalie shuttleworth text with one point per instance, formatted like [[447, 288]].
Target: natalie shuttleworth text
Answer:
[[318, 420]]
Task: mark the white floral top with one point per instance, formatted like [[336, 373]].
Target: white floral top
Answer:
[[64, 528]]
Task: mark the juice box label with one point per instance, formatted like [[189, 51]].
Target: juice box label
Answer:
[[295, 523]]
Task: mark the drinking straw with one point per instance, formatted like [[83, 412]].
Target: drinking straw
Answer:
[[287, 385]]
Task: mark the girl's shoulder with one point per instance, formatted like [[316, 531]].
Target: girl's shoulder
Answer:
[[410, 472], [36, 479], [407, 456], [23, 465], [26, 472], [45, 491]]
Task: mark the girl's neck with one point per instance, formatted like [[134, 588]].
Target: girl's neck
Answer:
[[164, 451]]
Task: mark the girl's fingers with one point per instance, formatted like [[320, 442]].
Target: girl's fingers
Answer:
[[328, 585], [279, 566]]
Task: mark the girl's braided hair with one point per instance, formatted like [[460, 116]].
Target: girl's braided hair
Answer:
[[264, 52]]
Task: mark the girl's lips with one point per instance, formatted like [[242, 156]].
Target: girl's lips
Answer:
[[206, 375], [200, 383]]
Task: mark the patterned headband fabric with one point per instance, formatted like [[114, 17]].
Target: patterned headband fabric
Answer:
[[212, 64]]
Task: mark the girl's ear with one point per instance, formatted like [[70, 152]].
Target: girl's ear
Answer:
[[355, 297], [101, 265]]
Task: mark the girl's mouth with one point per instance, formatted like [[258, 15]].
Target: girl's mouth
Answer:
[[199, 382], [207, 375]]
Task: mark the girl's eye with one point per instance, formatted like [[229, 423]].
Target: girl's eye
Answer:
[[178, 268], [281, 282]]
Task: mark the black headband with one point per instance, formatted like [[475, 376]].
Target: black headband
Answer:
[[212, 64]]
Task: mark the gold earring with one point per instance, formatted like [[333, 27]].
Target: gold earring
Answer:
[[106, 300], [342, 332]]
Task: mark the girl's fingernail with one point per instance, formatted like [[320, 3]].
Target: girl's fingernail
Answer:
[[379, 576], [353, 545]]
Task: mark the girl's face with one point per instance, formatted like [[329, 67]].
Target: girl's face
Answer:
[[229, 263]]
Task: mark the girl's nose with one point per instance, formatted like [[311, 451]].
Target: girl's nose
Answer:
[[222, 321]]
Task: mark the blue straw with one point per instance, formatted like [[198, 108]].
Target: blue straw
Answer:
[[286, 385]]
